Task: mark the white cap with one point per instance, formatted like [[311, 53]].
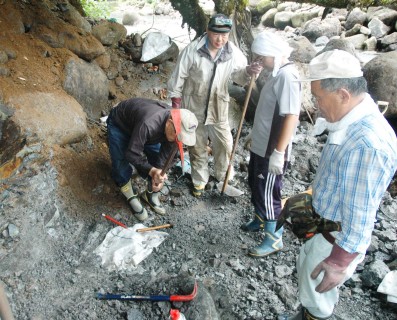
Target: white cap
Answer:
[[334, 64]]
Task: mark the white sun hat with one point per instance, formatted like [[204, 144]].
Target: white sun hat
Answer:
[[334, 64]]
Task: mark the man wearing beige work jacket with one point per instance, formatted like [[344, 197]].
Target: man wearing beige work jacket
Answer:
[[199, 83]]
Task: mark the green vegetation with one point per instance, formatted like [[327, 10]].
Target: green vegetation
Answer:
[[99, 9]]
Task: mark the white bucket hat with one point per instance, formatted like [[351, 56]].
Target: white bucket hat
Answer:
[[334, 64]]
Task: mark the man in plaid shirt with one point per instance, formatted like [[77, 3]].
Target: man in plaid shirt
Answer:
[[356, 166]]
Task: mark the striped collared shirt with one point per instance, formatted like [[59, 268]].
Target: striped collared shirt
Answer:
[[354, 171]]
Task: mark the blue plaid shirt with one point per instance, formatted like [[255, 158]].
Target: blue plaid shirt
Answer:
[[356, 167]]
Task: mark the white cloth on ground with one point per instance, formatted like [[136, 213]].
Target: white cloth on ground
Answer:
[[124, 248]]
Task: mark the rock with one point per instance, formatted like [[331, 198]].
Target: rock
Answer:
[[264, 6], [130, 18], [103, 61], [283, 271], [283, 19], [341, 44], [374, 273], [370, 44], [54, 118], [377, 72], [316, 28], [388, 40], [386, 15], [288, 294], [303, 50], [88, 84], [268, 18], [357, 40], [301, 17], [378, 28], [4, 71], [202, 307], [3, 57], [109, 33], [322, 41], [72, 16], [353, 31], [137, 40], [356, 16], [13, 230]]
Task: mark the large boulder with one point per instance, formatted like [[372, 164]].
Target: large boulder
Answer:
[[109, 33], [73, 16], [52, 118], [316, 28], [357, 40], [268, 18], [378, 28], [356, 16], [13, 19], [341, 44], [387, 15], [264, 6], [303, 49], [302, 16], [283, 19], [88, 84], [381, 75]]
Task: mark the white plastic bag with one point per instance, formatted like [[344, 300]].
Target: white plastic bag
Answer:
[[155, 44], [124, 249]]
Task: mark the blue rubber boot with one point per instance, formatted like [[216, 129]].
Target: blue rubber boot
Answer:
[[273, 241], [254, 225]]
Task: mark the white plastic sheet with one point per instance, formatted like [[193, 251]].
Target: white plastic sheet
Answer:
[[155, 44], [124, 249], [388, 286]]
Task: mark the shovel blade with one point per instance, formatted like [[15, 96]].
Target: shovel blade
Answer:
[[229, 190]]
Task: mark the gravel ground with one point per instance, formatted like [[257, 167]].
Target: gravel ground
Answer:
[[51, 272]]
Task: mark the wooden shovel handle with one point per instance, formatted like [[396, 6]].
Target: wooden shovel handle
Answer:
[[247, 98]]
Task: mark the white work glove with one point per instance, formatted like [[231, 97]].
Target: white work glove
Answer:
[[276, 162]]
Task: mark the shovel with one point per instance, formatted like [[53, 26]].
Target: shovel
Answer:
[[223, 186]]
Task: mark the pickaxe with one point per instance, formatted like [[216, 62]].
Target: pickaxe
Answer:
[[131, 297]]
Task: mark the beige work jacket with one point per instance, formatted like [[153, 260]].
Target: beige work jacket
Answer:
[[202, 83]]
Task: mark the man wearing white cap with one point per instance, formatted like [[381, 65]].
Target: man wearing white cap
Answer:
[[200, 83], [356, 166], [142, 133], [275, 122]]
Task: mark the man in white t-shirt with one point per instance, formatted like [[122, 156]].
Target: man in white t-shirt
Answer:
[[276, 118]]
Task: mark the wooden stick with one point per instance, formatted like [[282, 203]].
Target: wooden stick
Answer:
[[247, 97], [171, 157], [155, 228]]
